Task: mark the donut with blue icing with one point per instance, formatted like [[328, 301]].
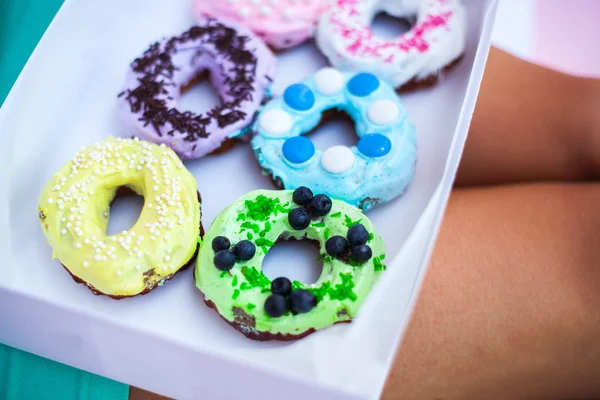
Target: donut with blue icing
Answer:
[[374, 171], [435, 42]]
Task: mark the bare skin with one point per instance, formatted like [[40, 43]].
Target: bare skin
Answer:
[[509, 309], [510, 306]]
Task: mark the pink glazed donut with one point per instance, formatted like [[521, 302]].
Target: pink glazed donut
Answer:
[[280, 23], [436, 40]]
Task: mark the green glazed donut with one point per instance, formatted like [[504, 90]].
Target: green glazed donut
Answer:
[[229, 274]]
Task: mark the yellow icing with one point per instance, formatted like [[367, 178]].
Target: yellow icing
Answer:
[[74, 209]]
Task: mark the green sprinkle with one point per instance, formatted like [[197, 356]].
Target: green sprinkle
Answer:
[[244, 286], [378, 265], [268, 242], [255, 278], [265, 249], [265, 290], [267, 226], [224, 274], [199, 240], [319, 224], [236, 294], [326, 233], [343, 291], [321, 257], [297, 285], [249, 236], [261, 208], [250, 306], [348, 221], [321, 291], [382, 257], [251, 225], [336, 215], [371, 236], [241, 217], [234, 281]]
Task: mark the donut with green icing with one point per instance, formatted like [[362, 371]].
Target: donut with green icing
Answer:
[[74, 209], [229, 274]]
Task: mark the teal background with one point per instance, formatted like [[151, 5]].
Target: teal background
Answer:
[[24, 376], [22, 24]]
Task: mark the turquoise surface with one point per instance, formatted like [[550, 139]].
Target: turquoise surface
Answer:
[[24, 376]]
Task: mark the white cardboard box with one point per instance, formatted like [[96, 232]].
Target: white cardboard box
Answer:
[[169, 342]]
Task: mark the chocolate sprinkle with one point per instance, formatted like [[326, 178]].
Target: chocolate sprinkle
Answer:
[[157, 69]]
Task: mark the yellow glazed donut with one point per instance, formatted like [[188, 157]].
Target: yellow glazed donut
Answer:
[[74, 210]]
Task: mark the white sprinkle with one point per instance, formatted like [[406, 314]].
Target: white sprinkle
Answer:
[[164, 268], [97, 257], [137, 267], [167, 258], [104, 258], [112, 257], [169, 251], [78, 245], [85, 264], [50, 200], [151, 237], [64, 231], [86, 241], [119, 273], [68, 224], [155, 187], [71, 218], [63, 219]]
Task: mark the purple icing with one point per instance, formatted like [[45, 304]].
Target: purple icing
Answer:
[[241, 69]]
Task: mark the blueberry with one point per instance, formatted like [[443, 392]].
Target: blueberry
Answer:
[[244, 250], [302, 301], [302, 195], [276, 305], [361, 253], [336, 246], [357, 235], [220, 243], [224, 260], [281, 286], [299, 219], [320, 205]]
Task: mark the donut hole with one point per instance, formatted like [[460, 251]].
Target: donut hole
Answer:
[[386, 26], [336, 128], [199, 95], [296, 260], [124, 211]]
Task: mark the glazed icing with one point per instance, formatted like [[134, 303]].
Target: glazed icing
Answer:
[[74, 210], [280, 23], [241, 69], [437, 38], [262, 217], [376, 170]]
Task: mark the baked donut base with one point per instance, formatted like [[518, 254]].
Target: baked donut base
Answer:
[[121, 192], [262, 336], [428, 81]]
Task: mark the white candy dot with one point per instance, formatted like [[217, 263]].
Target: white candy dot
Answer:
[[244, 11], [337, 159], [383, 112], [85, 264], [329, 81], [276, 121]]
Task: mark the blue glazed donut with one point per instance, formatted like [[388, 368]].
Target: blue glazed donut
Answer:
[[374, 171]]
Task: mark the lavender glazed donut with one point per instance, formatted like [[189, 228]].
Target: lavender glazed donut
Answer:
[[240, 67]]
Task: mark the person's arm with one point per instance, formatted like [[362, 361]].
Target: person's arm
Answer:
[[532, 124]]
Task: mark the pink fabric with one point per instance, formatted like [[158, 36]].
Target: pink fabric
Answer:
[[567, 35]]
